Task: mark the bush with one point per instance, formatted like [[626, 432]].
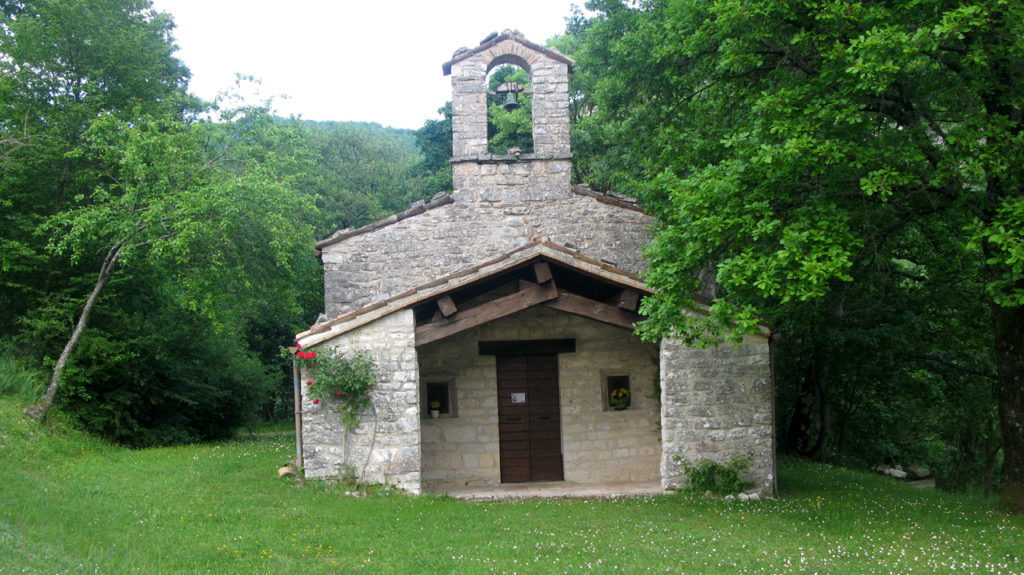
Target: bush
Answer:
[[342, 379], [707, 475], [148, 372]]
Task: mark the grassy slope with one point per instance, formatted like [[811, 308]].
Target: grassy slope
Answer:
[[69, 503]]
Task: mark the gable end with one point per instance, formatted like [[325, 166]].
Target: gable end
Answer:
[[494, 39]]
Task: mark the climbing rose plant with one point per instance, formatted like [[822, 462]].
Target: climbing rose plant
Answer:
[[342, 379]]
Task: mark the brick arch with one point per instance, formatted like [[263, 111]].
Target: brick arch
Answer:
[[509, 58]]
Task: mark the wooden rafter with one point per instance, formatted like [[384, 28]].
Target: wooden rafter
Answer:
[[628, 299], [543, 272], [579, 305], [528, 297], [447, 306]]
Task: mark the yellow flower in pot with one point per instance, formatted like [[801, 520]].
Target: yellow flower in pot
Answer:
[[619, 398]]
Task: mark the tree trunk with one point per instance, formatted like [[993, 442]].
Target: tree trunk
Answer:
[[1009, 332], [798, 433], [992, 445], [821, 374], [810, 428], [106, 270]]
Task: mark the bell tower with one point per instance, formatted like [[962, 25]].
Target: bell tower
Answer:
[[512, 178]]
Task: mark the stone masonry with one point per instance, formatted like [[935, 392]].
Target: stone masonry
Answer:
[[549, 76], [499, 203], [716, 404]]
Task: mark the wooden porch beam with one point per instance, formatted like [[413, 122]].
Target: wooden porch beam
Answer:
[[496, 309], [593, 309]]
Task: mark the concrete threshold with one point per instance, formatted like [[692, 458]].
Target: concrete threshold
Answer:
[[557, 489]]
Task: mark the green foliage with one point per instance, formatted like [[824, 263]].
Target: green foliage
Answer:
[[598, 159], [103, 153], [211, 206], [509, 128], [344, 380], [211, 223], [148, 372], [842, 171], [434, 139], [707, 475], [20, 381], [800, 141], [362, 172], [62, 64]]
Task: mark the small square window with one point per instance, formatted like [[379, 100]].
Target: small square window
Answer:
[[618, 395], [439, 396]]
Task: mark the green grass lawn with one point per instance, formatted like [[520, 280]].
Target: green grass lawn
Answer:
[[71, 504]]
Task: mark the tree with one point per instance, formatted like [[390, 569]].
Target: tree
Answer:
[[62, 63], [792, 149], [213, 202], [148, 371], [434, 139], [598, 158], [363, 172], [94, 116]]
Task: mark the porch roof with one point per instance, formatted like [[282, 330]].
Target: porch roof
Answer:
[[538, 250]]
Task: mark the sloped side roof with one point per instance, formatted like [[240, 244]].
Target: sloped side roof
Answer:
[[557, 253], [443, 199], [418, 207]]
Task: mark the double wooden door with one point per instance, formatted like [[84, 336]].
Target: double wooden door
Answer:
[[529, 427]]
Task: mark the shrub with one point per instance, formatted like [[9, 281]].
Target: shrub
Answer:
[[707, 475], [161, 379], [339, 378]]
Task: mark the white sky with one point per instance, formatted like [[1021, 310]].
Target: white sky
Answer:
[[347, 60]]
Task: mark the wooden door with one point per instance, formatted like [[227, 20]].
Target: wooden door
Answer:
[[529, 428]]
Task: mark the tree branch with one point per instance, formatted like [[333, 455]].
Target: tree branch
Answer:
[[951, 365]]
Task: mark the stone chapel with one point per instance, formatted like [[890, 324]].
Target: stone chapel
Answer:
[[500, 318]]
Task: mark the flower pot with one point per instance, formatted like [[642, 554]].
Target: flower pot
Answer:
[[435, 413]]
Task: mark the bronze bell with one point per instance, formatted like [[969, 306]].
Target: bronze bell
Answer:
[[510, 100]]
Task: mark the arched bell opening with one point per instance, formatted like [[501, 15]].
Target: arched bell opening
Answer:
[[509, 109]]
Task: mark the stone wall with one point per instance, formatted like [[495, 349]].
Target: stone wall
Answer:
[[385, 446], [512, 181], [598, 444], [388, 260], [716, 404]]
